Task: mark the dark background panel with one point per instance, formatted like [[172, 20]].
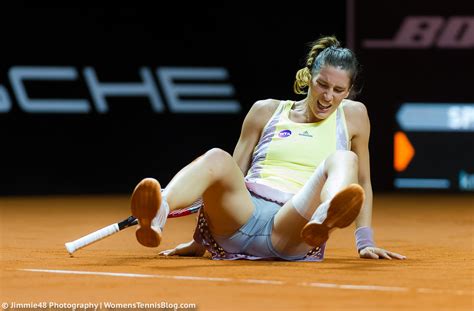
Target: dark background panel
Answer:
[[432, 74], [109, 153], [260, 47]]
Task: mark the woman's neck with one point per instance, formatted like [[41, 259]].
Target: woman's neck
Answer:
[[302, 113]]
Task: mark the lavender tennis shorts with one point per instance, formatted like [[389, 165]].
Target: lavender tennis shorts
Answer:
[[254, 238]]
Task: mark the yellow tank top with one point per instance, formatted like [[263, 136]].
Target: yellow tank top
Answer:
[[289, 152]]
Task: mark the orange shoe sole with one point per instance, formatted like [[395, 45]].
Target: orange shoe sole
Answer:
[[145, 202], [343, 210]]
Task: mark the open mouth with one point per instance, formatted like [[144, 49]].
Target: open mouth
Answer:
[[323, 108]]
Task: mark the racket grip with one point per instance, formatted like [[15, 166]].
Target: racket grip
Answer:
[[91, 238]]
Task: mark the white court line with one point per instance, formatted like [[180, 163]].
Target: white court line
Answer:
[[358, 287], [256, 281], [156, 276]]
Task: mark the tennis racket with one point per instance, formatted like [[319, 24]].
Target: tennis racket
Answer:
[[100, 234]]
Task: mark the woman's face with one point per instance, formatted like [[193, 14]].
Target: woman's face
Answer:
[[327, 90]]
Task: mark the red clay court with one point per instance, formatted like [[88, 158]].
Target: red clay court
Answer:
[[435, 232]]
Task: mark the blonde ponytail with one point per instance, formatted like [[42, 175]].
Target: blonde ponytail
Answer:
[[303, 76]]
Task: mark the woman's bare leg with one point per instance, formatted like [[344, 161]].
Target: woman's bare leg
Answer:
[[214, 176], [340, 170]]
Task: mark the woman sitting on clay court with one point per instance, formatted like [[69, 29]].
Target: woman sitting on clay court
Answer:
[[299, 170]]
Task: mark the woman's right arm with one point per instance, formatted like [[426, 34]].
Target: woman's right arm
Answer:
[[252, 127]]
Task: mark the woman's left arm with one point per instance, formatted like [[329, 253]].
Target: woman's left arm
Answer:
[[359, 128]]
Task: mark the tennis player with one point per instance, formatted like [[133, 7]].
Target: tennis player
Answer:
[[300, 169]]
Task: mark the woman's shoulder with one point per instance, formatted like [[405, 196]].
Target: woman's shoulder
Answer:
[[265, 108], [354, 109], [268, 105], [357, 118], [261, 111]]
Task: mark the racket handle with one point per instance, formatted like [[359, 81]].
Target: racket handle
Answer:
[[91, 238]]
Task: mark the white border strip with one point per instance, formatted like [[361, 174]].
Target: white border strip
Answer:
[[256, 281]]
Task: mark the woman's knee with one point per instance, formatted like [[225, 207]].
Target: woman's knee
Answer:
[[218, 162], [344, 158]]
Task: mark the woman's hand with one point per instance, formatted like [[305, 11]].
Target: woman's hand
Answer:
[[190, 248], [379, 253]]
